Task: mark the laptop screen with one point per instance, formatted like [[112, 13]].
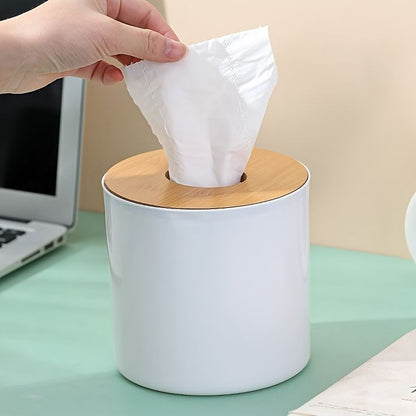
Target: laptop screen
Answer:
[[29, 133]]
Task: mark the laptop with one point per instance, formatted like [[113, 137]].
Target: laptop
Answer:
[[40, 139]]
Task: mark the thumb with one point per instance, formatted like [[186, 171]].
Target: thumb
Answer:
[[146, 44]]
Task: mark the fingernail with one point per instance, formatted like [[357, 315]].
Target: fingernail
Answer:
[[173, 49]]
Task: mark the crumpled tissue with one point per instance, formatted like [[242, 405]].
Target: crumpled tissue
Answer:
[[207, 109]]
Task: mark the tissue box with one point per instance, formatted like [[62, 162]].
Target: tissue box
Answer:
[[210, 285]]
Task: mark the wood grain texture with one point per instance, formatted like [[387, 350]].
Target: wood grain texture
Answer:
[[141, 179]]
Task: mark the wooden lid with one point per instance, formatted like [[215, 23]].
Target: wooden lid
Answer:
[[142, 179]]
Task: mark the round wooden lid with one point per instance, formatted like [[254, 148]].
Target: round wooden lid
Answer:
[[142, 179]]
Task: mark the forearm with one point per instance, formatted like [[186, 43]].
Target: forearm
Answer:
[[13, 56], [24, 46]]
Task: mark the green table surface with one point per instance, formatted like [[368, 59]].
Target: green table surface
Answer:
[[56, 346]]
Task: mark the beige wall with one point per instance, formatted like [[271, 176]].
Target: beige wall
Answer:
[[344, 105]]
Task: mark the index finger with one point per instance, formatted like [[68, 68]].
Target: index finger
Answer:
[[140, 13]]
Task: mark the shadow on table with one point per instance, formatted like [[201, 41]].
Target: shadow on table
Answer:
[[37, 266], [337, 349], [88, 239]]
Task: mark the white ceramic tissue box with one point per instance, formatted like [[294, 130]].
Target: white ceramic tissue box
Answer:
[[210, 285]]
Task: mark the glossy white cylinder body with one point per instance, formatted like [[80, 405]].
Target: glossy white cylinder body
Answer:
[[210, 301], [410, 227]]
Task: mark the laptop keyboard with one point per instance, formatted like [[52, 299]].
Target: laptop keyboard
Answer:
[[7, 235]]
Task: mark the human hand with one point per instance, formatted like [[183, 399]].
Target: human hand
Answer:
[[74, 37]]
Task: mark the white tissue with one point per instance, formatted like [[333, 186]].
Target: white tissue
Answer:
[[207, 109]]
